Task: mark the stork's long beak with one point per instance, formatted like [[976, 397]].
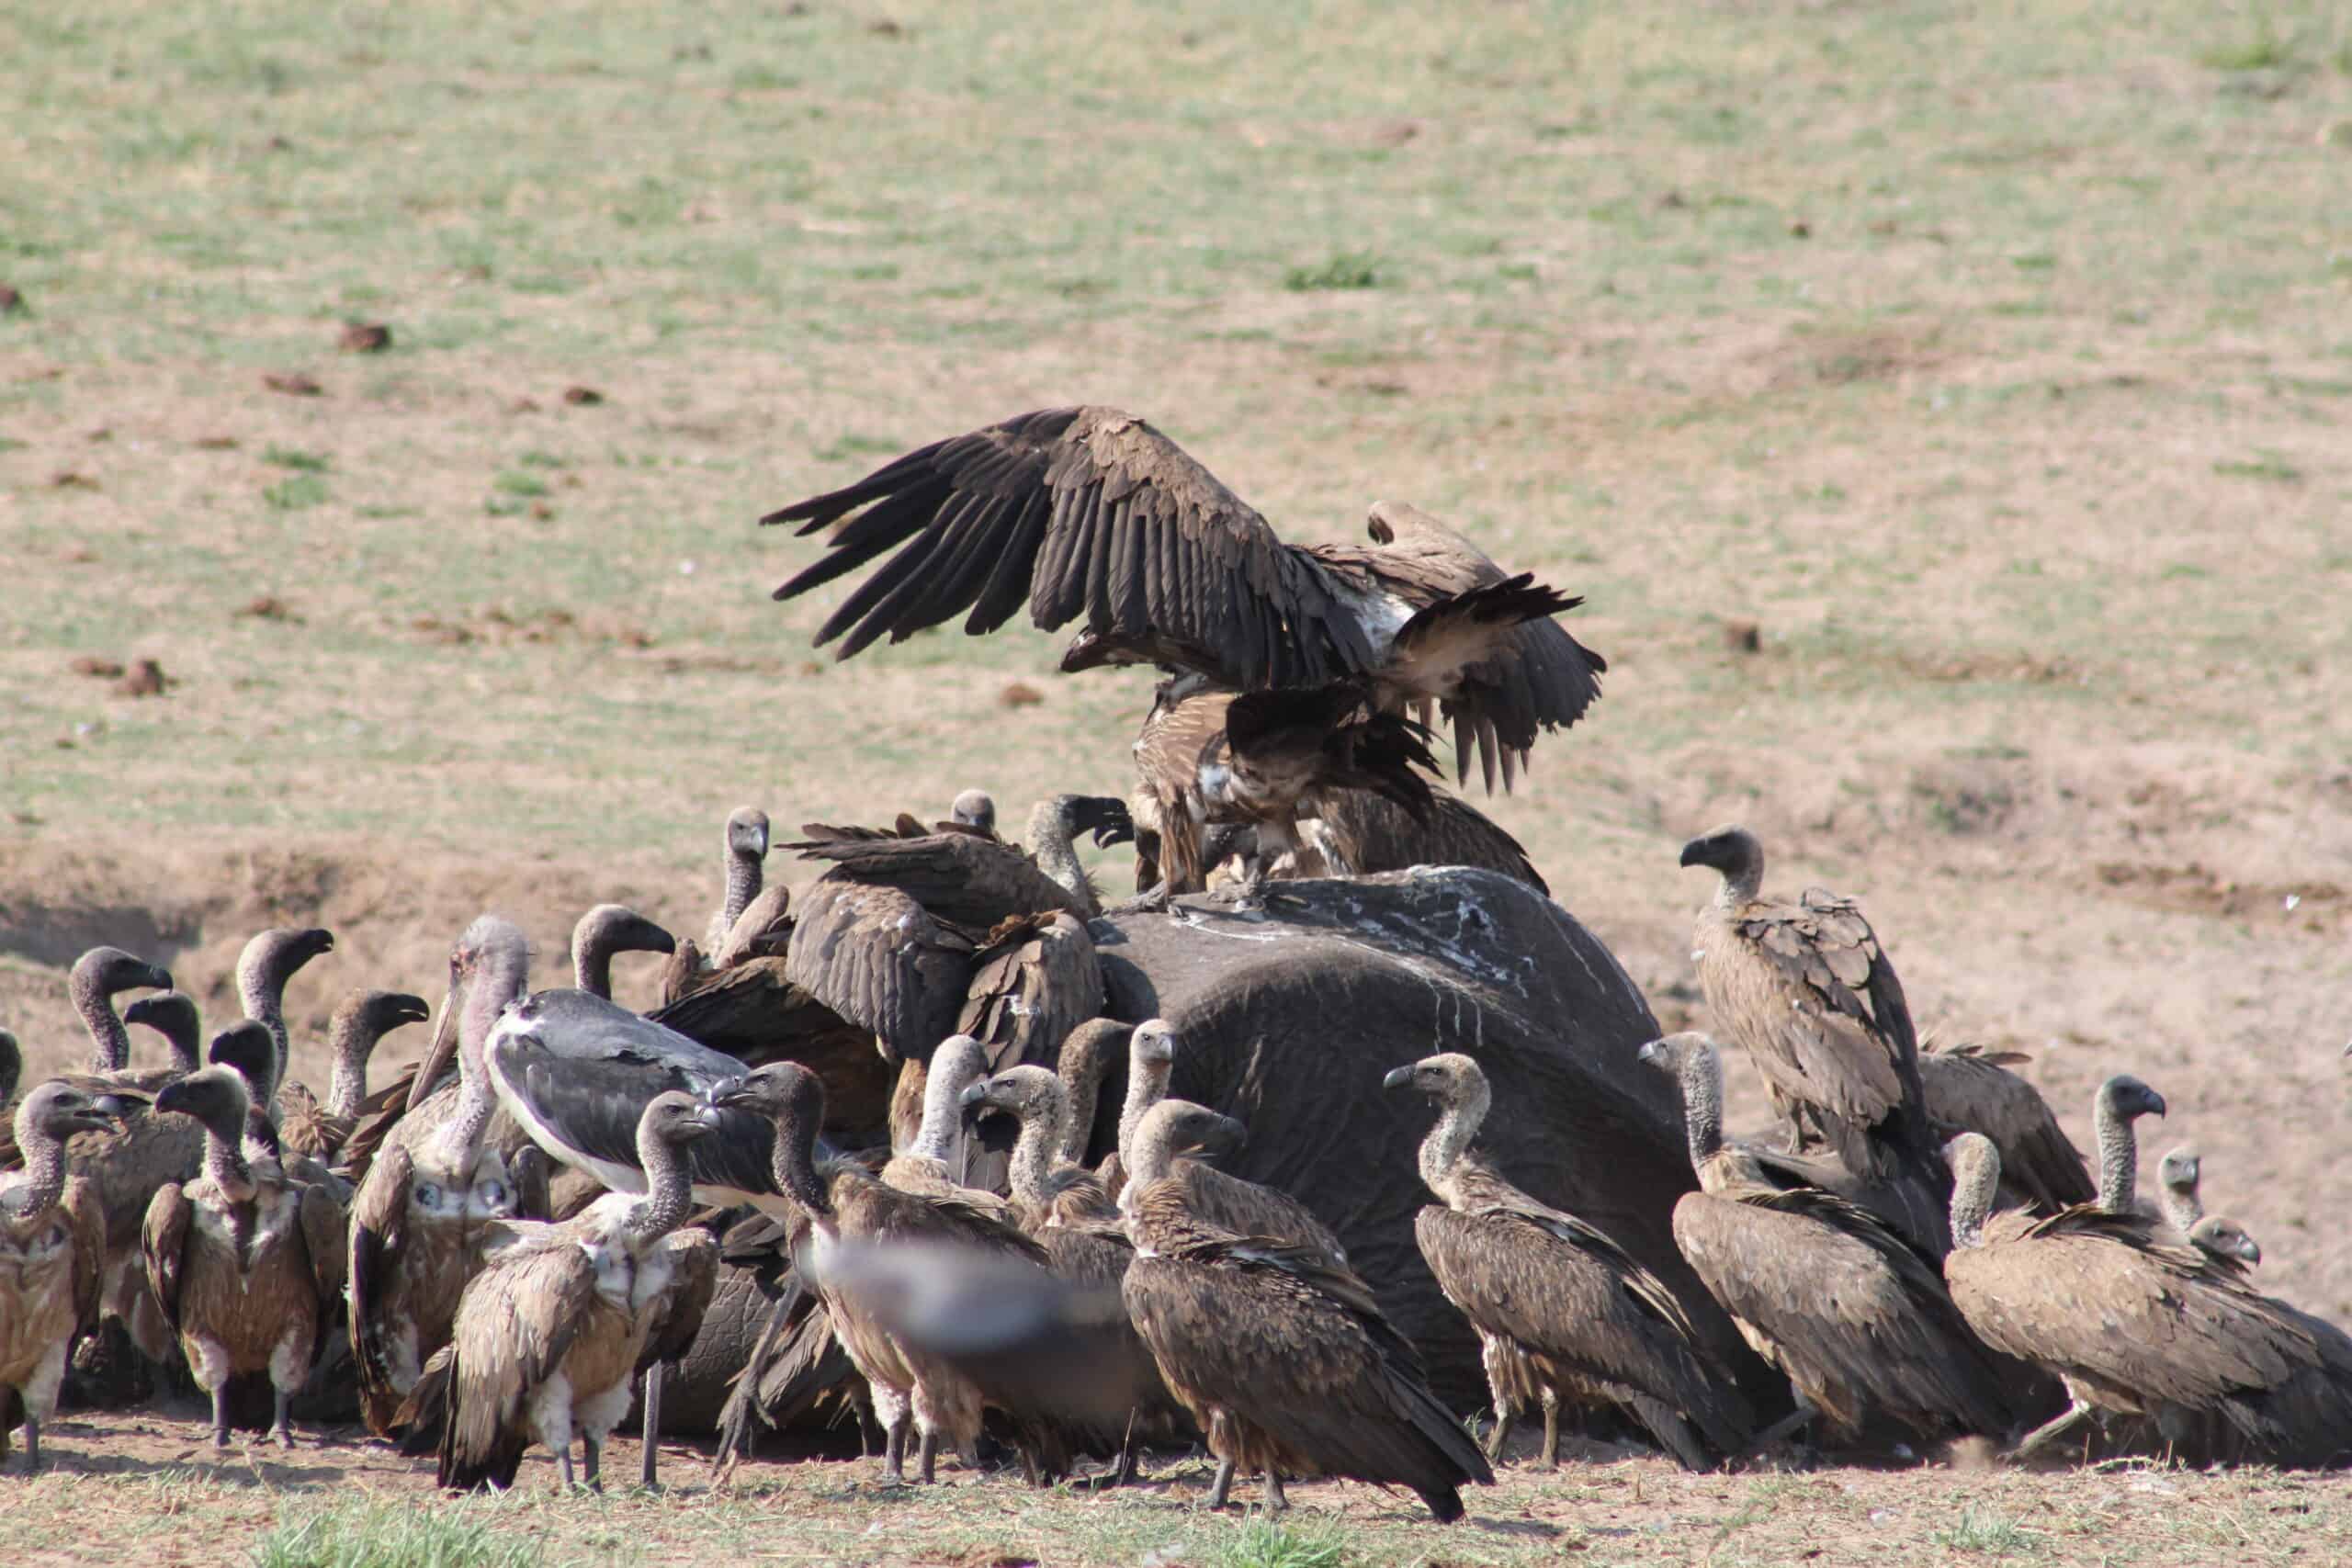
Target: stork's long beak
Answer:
[[1398, 1077], [437, 1054]]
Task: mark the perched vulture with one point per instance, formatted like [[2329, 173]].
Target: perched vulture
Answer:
[[605, 930], [1090, 513], [1562, 1312], [2179, 1175], [1806, 990], [268, 962], [1358, 833], [360, 1021], [2136, 1325], [1859, 1321], [1969, 1089], [52, 1255], [745, 847]]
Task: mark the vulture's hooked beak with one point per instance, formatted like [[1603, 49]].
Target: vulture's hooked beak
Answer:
[[1654, 1053], [1695, 852], [1399, 1077], [730, 1094], [437, 1054], [704, 1122]]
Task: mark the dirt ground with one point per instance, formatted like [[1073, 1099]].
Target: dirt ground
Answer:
[[1941, 411]]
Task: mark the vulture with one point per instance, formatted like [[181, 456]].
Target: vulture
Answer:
[[12, 1066], [1857, 1319], [52, 1255], [1969, 1089], [550, 1333], [1282, 1358], [1082, 1063], [2136, 1324], [763, 931], [746, 846], [1562, 1312], [605, 930], [1358, 833], [2178, 1178], [2122, 1101], [243, 1261], [427, 1206], [270, 960], [974, 809], [1806, 989], [841, 1204], [1090, 513], [359, 1025], [1063, 1210], [932, 1165], [95, 979], [1246, 1208]]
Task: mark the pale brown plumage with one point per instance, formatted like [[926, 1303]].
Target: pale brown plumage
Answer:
[[842, 1203], [1562, 1312], [931, 1165], [2138, 1326], [1090, 513], [52, 1258], [243, 1262], [1855, 1318], [745, 847], [554, 1327], [1970, 1089], [359, 1023], [1035, 980], [763, 931], [1284, 1360], [1805, 989]]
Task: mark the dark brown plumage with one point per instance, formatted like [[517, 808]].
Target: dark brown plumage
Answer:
[[1285, 1361], [2138, 1326], [1562, 1312], [1361, 833], [1970, 1089], [243, 1261], [1806, 990], [1836, 1299], [360, 1021], [52, 1257], [1091, 513]]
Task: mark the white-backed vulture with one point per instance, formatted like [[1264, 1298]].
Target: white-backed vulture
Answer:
[[1083, 1064], [1855, 1318], [2137, 1326], [974, 809], [2121, 1101], [419, 1219], [552, 1329], [359, 1024], [1970, 1089], [605, 930], [243, 1261], [1806, 990], [842, 1203], [1063, 1209], [1090, 513], [97, 978], [745, 846], [52, 1258], [1360, 832], [1246, 1208], [763, 931], [270, 960], [2179, 1175], [1283, 1359], [931, 1166], [1563, 1312]]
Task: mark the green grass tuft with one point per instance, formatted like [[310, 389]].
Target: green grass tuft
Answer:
[[1260, 1542], [375, 1534], [513, 483], [1991, 1534], [297, 493], [2264, 466], [1345, 269], [2267, 49], [294, 457]]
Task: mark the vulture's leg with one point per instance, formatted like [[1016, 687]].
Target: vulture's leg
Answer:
[[1275, 1501], [1223, 1485], [1501, 1434], [1787, 1427], [2063, 1422], [33, 1446], [1551, 1429], [894, 1452], [1030, 1471], [653, 1425], [927, 1453], [591, 1463], [281, 1425], [563, 1459], [220, 1415]]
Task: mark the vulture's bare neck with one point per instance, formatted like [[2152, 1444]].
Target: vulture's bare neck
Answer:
[[1703, 1104], [1974, 1182], [1442, 1151], [1081, 1092], [1147, 1087], [42, 1182], [1033, 1156], [744, 879], [109, 1037], [354, 1042], [1052, 845], [2119, 1158], [667, 1193], [224, 1163]]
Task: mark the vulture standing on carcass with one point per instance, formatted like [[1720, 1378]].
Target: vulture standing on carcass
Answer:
[[2138, 1326], [268, 962], [2179, 1175], [243, 1261], [552, 1330], [1857, 1319], [1562, 1312], [842, 1205], [1090, 513], [432, 1191], [359, 1025], [605, 930], [1358, 833], [1808, 992], [1063, 1210], [1283, 1359], [52, 1255], [1969, 1089], [745, 843]]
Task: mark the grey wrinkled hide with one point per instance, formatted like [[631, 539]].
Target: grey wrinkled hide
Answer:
[[697, 1386], [1289, 1019]]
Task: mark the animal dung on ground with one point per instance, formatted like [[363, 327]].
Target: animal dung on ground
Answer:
[[12, 300], [92, 664], [265, 607], [293, 383], [1743, 637], [146, 679], [582, 397], [1020, 694], [364, 337]]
